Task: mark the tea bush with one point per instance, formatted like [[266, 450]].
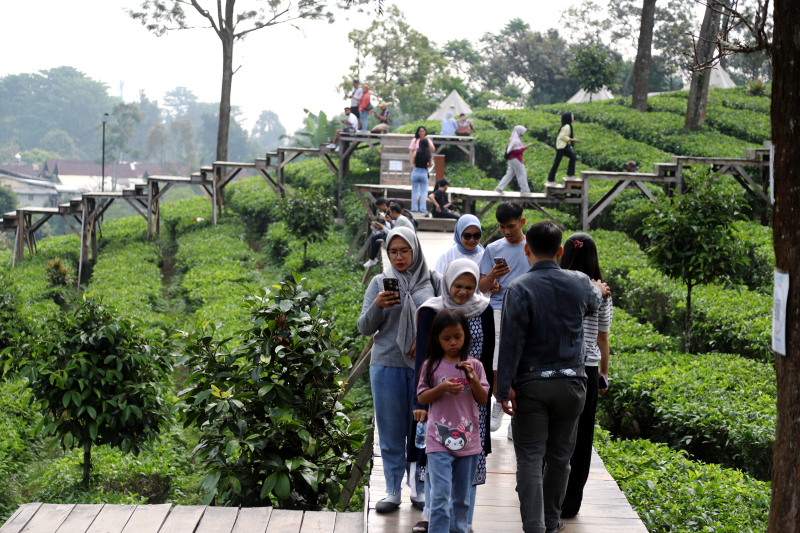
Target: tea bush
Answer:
[[184, 216], [254, 201], [673, 494]]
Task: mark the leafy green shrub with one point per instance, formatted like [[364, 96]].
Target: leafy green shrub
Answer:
[[313, 173], [183, 216], [254, 201], [673, 494], [277, 240], [99, 381], [718, 407], [738, 99], [308, 215], [272, 430], [757, 242], [13, 334]]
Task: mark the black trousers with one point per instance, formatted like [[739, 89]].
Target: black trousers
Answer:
[[582, 456], [561, 153], [445, 213]]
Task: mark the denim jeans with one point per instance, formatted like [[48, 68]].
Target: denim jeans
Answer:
[[393, 391], [515, 168], [364, 119], [545, 427], [375, 246], [419, 189], [473, 493], [451, 483]]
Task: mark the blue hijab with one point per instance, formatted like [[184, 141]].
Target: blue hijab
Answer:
[[463, 223]]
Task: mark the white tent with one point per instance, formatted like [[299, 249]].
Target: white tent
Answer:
[[453, 104], [720, 79], [584, 96]]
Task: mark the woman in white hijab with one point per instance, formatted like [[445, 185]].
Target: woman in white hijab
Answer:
[[516, 168], [459, 291]]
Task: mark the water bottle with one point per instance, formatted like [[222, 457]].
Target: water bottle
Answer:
[[419, 440]]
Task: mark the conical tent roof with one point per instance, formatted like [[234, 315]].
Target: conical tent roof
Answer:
[[453, 104], [584, 96], [720, 79]]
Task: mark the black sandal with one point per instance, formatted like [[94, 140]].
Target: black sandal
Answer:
[[420, 527]]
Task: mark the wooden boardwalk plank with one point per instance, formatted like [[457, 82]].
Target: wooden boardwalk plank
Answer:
[[20, 518], [48, 518], [81, 517], [147, 518], [112, 519], [218, 520], [183, 519], [318, 522], [349, 523], [283, 521], [253, 520]]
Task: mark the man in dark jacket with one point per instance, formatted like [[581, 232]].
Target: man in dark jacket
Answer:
[[542, 355]]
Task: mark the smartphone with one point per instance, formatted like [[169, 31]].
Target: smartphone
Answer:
[[391, 285], [603, 382], [500, 261]]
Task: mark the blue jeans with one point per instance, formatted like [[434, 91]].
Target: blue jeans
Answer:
[[364, 119], [393, 391], [451, 483], [419, 189]]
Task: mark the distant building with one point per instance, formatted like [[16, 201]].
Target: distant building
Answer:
[[31, 189], [84, 176]]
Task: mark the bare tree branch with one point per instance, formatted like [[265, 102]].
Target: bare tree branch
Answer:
[[205, 13]]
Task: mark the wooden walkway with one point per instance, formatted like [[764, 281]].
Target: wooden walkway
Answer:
[[54, 518], [605, 508]]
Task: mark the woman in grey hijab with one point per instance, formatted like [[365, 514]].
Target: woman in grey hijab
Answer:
[[449, 125], [391, 319]]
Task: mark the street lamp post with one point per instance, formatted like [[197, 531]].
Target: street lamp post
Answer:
[[103, 182]]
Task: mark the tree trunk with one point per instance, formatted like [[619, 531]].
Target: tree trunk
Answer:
[[784, 514], [225, 98], [698, 90], [644, 55], [87, 464], [687, 340]]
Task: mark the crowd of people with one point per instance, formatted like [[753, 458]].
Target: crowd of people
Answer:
[[525, 320]]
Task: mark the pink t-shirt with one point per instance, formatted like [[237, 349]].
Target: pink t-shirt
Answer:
[[453, 420]]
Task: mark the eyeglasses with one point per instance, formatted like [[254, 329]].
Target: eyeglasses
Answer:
[[471, 236], [403, 251]]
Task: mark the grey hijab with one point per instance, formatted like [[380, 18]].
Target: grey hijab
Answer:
[[414, 278]]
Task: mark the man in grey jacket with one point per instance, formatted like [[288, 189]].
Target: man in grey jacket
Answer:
[[542, 356]]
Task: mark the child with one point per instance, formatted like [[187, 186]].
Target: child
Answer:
[[450, 383]]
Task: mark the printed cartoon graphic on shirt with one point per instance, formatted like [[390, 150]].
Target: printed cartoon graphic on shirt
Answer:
[[464, 382], [454, 439]]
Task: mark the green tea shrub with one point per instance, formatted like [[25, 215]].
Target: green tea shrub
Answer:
[[673, 494], [187, 215], [313, 173], [718, 407], [276, 241], [308, 215], [254, 201], [272, 431], [757, 242], [99, 380]]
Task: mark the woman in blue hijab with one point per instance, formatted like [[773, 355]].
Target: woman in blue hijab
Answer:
[[467, 243]]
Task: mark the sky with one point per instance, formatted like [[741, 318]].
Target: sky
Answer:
[[280, 68]]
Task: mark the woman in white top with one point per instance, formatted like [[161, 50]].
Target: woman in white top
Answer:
[[467, 237]]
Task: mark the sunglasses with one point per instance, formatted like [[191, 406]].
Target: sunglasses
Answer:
[[471, 236]]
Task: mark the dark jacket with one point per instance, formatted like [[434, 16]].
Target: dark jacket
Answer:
[[542, 328]]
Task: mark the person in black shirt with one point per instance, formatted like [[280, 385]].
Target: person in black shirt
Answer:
[[441, 204]]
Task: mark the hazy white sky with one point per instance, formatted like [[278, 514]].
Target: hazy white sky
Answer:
[[282, 69]]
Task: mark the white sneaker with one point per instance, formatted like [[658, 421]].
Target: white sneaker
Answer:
[[497, 417], [371, 263], [498, 190], [510, 437], [331, 146], [526, 194]]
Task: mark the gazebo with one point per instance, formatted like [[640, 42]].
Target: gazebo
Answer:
[[453, 104], [584, 96]]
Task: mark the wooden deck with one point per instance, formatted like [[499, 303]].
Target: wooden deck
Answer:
[[605, 508], [53, 518]]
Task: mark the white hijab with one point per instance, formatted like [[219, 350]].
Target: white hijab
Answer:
[[516, 139], [473, 307]]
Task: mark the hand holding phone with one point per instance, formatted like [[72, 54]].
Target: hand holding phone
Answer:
[[603, 385], [500, 268], [390, 296]]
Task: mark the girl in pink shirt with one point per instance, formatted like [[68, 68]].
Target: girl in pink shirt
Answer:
[[450, 383]]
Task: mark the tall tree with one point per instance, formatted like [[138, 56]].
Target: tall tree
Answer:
[[230, 26], [784, 514], [268, 130], [698, 89], [644, 55], [594, 67]]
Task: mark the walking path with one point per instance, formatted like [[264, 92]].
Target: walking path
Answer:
[[605, 508]]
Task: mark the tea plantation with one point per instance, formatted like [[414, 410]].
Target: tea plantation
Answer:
[[688, 434]]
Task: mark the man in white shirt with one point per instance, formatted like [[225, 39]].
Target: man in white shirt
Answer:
[[355, 98], [350, 122]]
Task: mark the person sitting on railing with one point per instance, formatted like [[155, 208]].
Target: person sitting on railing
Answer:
[[465, 127], [406, 212], [381, 226], [441, 203], [350, 122], [400, 220], [449, 125], [383, 115]]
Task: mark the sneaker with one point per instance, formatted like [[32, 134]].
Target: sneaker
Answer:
[[331, 146], [526, 194], [559, 527], [511, 437], [388, 504], [497, 417], [337, 149], [419, 501], [371, 263], [498, 190]]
